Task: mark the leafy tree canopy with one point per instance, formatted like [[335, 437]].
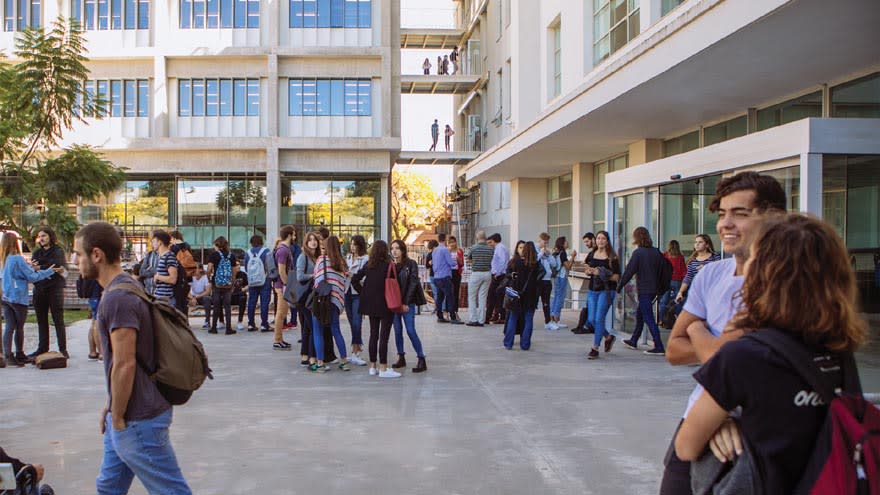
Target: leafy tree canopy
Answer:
[[414, 205]]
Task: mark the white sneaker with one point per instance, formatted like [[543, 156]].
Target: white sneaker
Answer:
[[240, 326], [374, 372], [221, 326], [551, 326], [356, 360], [389, 373], [560, 325]]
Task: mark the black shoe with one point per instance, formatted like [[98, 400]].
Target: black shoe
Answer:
[[632, 345], [579, 331], [474, 324], [421, 366], [456, 321], [442, 320], [252, 327], [213, 330], [401, 362], [3, 361], [231, 331], [21, 359], [32, 356], [266, 329], [594, 354]]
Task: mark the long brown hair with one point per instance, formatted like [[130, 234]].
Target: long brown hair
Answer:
[[674, 249], [709, 246], [333, 251], [312, 253], [641, 237], [799, 279], [378, 254], [8, 247], [530, 256], [609, 249]]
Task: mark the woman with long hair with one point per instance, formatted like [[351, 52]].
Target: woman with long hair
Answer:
[[644, 264], [679, 270], [222, 270], [17, 272], [305, 270], [370, 283], [799, 290], [703, 254], [524, 272], [603, 266], [412, 297], [458, 255], [330, 267], [49, 293], [356, 259], [560, 282]]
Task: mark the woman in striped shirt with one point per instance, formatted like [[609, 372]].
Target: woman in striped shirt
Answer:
[[330, 267], [704, 253]]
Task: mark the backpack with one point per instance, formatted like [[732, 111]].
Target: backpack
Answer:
[[664, 275], [85, 287], [256, 269], [181, 362], [846, 456], [223, 275], [322, 299], [187, 262], [271, 267]]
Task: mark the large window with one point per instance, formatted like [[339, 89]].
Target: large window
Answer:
[[346, 205], [329, 97], [859, 98], [116, 98], [556, 83], [213, 97], [331, 13], [559, 207], [681, 144], [19, 15], [667, 6], [599, 171], [615, 22], [730, 129], [219, 14], [799, 108], [111, 14]]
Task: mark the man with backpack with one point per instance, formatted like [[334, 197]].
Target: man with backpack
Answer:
[[261, 273], [137, 416], [648, 265], [187, 262]]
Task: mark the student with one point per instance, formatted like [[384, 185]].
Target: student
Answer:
[[330, 267], [412, 297], [712, 298], [18, 466], [480, 255], [495, 312], [545, 285], [447, 135], [445, 65], [560, 282], [356, 259], [525, 271], [679, 270], [186, 262], [458, 254], [453, 57], [262, 292], [222, 270], [426, 66], [166, 268], [704, 253], [790, 257], [429, 264], [305, 273], [284, 261], [49, 293], [439, 65], [444, 263], [200, 294], [589, 240], [136, 436], [370, 284], [149, 265], [239, 296], [644, 264], [435, 134], [603, 267]]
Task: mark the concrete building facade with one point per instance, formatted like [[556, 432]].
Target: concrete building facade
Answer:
[[611, 114], [234, 117]]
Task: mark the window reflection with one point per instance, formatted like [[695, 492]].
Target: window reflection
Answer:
[[346, 206]]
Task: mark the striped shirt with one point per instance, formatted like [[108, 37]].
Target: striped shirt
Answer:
[[481, 257], [696, 265], [164, 289], [337, 281]]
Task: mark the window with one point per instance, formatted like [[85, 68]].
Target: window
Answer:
[[331, 14], [19, 15], [556, 83], [668, 6], [857, 99], [218, 97], [184, 98], [224, 14], [733, 128], [601, 169], [615, 22], [131, 96], [330, 97], [346, 205], [111, 14], [143, 98], [118, 97], [559, 207], [805, 106], [681, 144]]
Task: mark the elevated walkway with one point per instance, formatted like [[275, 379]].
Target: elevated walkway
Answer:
[[436, 157], [430, 39], [459, 84]]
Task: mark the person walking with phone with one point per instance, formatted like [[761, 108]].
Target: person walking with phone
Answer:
[[524, 272], [412, 297]]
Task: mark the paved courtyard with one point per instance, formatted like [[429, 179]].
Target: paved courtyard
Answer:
[[482, 420]]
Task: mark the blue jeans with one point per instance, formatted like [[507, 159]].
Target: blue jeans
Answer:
[[598, 304], [525, 340], [645, 315], [434, 292], [355, 318], [669, 297], [15, 316], [560, 288], [142, 449], [318, 334], [264, 292], [408, 319], [444, 299]]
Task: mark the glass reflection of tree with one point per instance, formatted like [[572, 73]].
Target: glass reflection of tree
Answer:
[[241, 194]]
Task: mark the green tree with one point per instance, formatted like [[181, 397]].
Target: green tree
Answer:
[[241, 194], [414, 205], [41, 97]]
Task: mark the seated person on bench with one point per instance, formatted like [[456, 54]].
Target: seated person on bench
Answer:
[[28, 476]]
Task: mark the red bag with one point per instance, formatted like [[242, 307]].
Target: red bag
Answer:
[[392, 291]]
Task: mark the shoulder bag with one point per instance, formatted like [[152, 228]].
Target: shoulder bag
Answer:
[[392, 291]]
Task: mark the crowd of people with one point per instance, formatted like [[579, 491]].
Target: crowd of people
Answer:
[[444, 64]]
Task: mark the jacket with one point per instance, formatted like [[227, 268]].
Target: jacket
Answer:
[[525, 281], [410, 284], [149, 268], [370, 284], [16, 275], [47, 257], [645, 266]]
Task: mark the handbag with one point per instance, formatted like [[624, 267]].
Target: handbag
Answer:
[[392, 291], [320, 302]]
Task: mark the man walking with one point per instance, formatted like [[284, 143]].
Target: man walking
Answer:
[[453, 57], [257, 263], [480, 257], [500, 257], [435, 135], [136, 420], [444, 263]]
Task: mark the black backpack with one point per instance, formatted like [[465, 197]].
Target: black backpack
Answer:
[[664, 275]]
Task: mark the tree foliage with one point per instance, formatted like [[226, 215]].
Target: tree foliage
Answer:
[[241, 194], [41, 99], [414, 205]]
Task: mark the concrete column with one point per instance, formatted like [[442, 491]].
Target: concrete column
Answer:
[[650, 12], [273, 195], [51, 11], [644, 151], [811, 183], [160, 102], [582, 201], [272, 110], [385, 198], [271, 19], [528, 206]]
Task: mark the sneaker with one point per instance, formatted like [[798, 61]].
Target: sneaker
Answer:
[[356, 360], [318, 368], [279, 346], [93, 357], [609, 343], [206, 325], [251, 327], [240, 326], [231, 332], [551, 326], [304, 362], [560, 325], [473, 324], [579, 331], [389, 374], [442, 320], [374, 372], [266, 329], [631, 345], [594, 354], [655, 352], [456, 322], [344, 366], [213, 330]]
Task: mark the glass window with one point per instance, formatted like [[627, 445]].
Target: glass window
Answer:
[[143, 14], [184, 98], [310, 13], [213, 16], [615, 22], [253, 20], [185, 14], [790, 179], [240, 13], [226, 11], [130, 98], [324, 13], [239, 96], [337, 13], [198, 14], [197, 203], [323, 86], [730, 129], [666, 6], [557, 61], [90, 12], [198, 92], [103, 14], [143, 98], [346, 205], [253, 97], [104, 97], [213, 97], [226, 97], [309, 95], [116, 14], [337, 97], [75, 11], [351, 14], [295, 97], [365, 13], [36, 12], [857, 99], [681, 144], [9, 15], [799, 108], [296, 14], [130, 13], [90, 96], [21, 15]]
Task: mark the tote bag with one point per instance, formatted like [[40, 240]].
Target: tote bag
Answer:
[[392, 291]]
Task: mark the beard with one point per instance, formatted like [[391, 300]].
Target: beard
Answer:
[[88, 269]]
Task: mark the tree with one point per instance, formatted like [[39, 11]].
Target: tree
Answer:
[[41, 97], [241, 194], [413, 204]]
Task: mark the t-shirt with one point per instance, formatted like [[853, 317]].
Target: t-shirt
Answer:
[[215, 260], [166, 261], [780, 418], [562, 257], [282, 257], [596, 282], [198, 285], [712, 297], [120, 309]]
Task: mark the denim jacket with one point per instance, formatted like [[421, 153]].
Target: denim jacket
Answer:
[[16, 275]]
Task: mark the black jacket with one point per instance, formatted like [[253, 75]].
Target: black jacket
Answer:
[[370, 284], [410, 284], [47, 257], [645, 266], [525, 281]]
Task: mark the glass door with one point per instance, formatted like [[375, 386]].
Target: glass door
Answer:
[[684, 212], [629, 213]]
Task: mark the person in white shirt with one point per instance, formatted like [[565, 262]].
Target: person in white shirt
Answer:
[[200, 294]]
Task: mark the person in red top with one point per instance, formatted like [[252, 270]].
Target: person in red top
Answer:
[[458, 254], [679, 270]]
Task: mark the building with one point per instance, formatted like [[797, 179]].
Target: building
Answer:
[[611, 114], [236, 117]]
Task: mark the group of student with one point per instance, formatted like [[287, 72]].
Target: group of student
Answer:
[[443, 63]]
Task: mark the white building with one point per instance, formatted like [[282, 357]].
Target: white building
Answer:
[[234, 117], [611, 114]]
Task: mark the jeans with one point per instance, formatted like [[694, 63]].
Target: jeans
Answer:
[[478, 292], [669, 296], [645, 315], [380, 331], [15, 316], [598, 304], [264, 293], [221, 302], [545, 287], [409, 319], [205, 302], [456, 289], [307, 345], [50, 299], [355, 318], [318, 334], [142, 449], [513, 317], [560, 289], [444, 299], [434, 292]]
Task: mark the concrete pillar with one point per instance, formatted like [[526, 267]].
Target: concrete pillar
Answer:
[[528, 206], [160, 102], [811, 183], [650, 12], [272, 85], [385, 198], [273, 195], [644, 151], [270, 18]]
